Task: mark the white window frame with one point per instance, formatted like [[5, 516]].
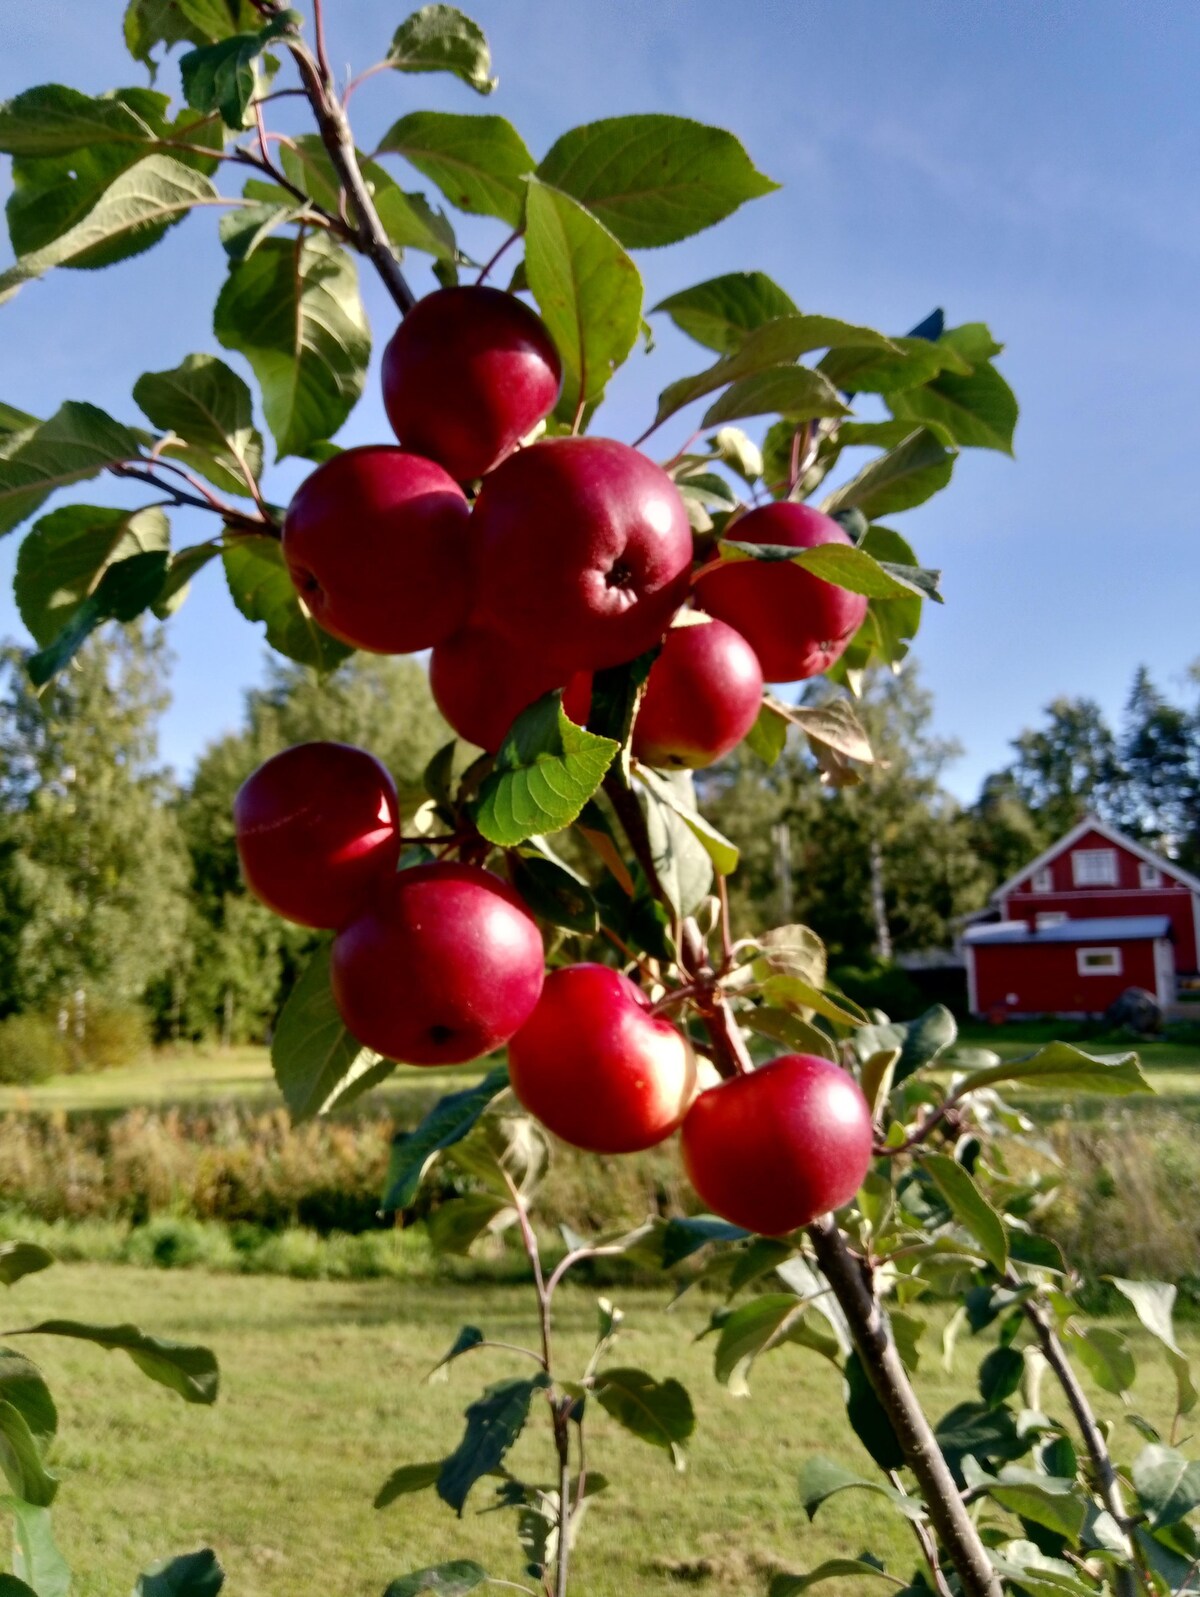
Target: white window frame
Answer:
[[1042, 881], [1113, 965], [1149, 875], [1094, 867], [1050, 917]]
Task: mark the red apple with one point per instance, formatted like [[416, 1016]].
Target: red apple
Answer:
[[377, 543], [584, 546], [469, 373], [596, 1068], [797, 623], [482, 682], [774, 1149], [702, 696], [316, 827], [443, 965]]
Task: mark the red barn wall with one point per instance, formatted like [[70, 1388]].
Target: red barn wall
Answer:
[[1046, 981]]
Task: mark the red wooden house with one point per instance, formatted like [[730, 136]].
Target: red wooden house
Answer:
[[1093, 915]]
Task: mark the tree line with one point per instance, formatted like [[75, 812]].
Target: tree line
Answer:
[[119, 884]]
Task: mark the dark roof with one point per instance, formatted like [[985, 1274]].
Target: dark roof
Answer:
[[1102, 929]]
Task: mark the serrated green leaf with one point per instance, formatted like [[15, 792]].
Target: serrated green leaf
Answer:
[[478, 162], [209, 408], [293, 310], [912, 361], [172, 22], [461, 1575], [223, 77], [494, 1421], [545, 772], [659, 1412], [969, 1206], [588, 291], [78, 441], [407, 219], [407, 1479], [243, 230], [316, 1061], [844, 566], [130, 215], [907, 475], [654, 179], [262, 590], [124, 591], [979, 411], [196, 1574], [1000, 1375], [186, 1369], [439, 38], [66, 554], [53, 120], [790, 1030], [19, 1259], [797, 392], [1060, 1065], [715, 844], [455, 1225], [450, 1120], [1052, 1501], [720, 312]]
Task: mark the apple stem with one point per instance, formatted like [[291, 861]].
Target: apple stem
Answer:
[[854, 1289], [508, 242]]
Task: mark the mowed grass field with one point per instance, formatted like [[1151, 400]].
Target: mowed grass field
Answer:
[[324, 1394]]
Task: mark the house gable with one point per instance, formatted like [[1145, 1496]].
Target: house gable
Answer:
[[1093, 835]]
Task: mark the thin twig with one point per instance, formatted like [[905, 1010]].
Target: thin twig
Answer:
[[508, 242], [236, 520], [322, 53], [926, 1543]]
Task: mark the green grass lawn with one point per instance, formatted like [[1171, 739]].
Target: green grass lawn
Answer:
[[323, 1395]]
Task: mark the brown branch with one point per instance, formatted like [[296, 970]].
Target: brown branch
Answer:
[[881, 1361], [926, 1543], [235, 520]]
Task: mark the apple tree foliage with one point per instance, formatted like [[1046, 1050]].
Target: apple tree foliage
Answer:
[[1021, 1489]]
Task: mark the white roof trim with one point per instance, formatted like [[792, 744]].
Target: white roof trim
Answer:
[[1093, 823]]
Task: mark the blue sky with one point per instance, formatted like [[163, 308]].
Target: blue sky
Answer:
[[1031, 163]]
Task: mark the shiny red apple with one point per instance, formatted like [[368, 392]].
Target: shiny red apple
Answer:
[[481, 683], [596, 1068], [469, 373], [774, 1149], [797, 623], [584, 549], [316, 827], [702, 696], [378, 545], [444, 964]]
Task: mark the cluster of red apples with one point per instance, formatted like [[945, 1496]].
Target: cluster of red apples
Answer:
[[577, 555]]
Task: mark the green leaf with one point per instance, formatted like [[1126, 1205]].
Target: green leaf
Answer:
[[1060, 1065], [407, 219], [588, 291], [545, 772], [1104, 1353], [67, 553], [659, 1412], [720, 312], [1000, 1375], [925, 1039], [454, 1226], [843, 565], [22, 1258], [868, 1418], [494, 1421], [768, 736], [243, 230], [223, 77], [78, 441], [462, 1575], [467, 1340], [21, 1459], [196, 1574], [756, 1327], [478, 162], [54, 120], [207, 406], [36, 1559], [189, 1370], [907, 475], [978, 411], [683, 1237], [171, 22], [262, 590], [831, 1569], [555, 893], [439, 38], [654, 179], [130, 215], [124, 591], [10, 1586], [797, 392], [1153, 1302], [911, 361], [1048, 1500], [183, 566], [666, 789], [1167, 1484], [822, 1478], [974, 1430], [969, 1206], [795, 1034], [450, 1120], [681, 861], [293, 309], [408, 1478], [803, 998], [316, 1061]]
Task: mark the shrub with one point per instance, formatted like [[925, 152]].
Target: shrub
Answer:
[[31, 1050], [113, 1036]]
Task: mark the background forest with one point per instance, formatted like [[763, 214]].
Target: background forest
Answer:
[[122, 913]]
